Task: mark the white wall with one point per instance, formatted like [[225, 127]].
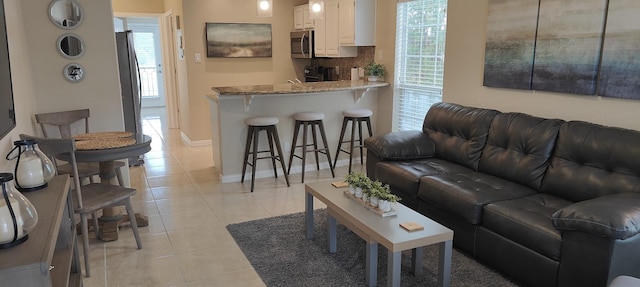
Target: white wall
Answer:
[[463, 76], [23, 92], [229, 71], [37, 67]]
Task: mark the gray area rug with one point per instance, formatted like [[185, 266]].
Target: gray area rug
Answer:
[[282, 256]]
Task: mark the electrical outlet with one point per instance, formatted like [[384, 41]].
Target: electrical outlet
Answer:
[[198, 58], [337, 70]]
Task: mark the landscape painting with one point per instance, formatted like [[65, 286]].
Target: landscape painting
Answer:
[[238, 40], [568, 46], [511, 35], [620, 65]]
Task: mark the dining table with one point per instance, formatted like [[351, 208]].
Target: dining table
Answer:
[[106, 149]]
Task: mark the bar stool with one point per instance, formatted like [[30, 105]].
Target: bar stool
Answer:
[[306, 120], [257, 124], [353, 116]]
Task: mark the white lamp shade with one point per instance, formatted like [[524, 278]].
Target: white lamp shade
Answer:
[[265, 8]]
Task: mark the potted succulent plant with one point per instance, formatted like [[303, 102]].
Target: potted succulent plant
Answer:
[[374, 71], [358, 182], [386, 198], [376, 191]]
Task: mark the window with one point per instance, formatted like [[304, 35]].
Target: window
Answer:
[[420, 39]]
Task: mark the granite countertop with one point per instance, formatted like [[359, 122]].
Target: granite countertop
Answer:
[[298, 88]]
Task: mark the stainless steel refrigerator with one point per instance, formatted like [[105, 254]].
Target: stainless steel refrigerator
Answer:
[[131, 87]]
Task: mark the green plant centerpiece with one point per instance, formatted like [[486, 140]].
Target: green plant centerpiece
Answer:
[[386, 198], [358, 183], [374, 71]]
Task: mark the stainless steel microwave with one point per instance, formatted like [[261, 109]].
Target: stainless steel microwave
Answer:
[[302, 44]]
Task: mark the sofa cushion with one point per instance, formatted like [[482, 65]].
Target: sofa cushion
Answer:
[[405, 175], [519, 147], [458, 132], [527, 221], [591, 160], [465, 194]]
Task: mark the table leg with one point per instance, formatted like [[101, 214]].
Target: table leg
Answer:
[[416, 263], [371, 278], [308, 209], [333, 233], [393, 268], [444, 270]]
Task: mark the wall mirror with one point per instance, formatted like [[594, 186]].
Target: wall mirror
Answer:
[[70, 46], [73, 72], [66, 14]]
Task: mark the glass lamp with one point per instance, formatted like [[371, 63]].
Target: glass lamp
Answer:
[[17, 215], [33, 168]]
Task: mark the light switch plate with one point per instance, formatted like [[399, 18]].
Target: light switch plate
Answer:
[[198, 58]]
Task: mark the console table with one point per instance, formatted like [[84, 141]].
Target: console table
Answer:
[[50, 256]]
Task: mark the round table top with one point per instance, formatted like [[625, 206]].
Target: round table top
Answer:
[[142, 146]]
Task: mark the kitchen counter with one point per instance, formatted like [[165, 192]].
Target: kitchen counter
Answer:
[[360, 88], [315, 87], [230, 106]]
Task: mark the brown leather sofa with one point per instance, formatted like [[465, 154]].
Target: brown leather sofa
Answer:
[[544, 201]]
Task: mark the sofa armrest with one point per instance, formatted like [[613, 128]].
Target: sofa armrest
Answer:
[[615, 216], [401, 145]]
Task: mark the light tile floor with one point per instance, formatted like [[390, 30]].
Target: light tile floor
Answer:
[[186, 242]]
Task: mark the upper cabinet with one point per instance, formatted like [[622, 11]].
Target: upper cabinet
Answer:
[[327, 34], [301, 19], [346, 24], [357, 22]]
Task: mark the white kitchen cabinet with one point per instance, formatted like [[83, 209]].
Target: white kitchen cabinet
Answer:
[[357, 22], [327, 37], [298, 17], [301, 19]]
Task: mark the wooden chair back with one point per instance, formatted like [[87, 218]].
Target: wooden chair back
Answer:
[[63, 121]]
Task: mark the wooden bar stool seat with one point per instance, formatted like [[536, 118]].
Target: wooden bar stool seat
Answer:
[[310, 120], [355, 117], [267, 124]]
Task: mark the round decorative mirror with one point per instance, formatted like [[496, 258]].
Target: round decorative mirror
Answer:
[[66, 14], [70, 46], [73, 72]]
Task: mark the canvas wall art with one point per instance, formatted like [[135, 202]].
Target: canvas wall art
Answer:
[[568, 46], [620, 66], [238, 40], [511, 36]]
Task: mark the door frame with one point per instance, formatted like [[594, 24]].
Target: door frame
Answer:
[[167, 32]]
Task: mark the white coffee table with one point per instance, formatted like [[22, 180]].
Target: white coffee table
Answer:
[[375, 229]]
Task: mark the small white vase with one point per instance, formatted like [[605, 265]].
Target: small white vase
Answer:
[[365, 197], [358, 192], [372, 78], [373, 201], [352, 190], [384, 205]]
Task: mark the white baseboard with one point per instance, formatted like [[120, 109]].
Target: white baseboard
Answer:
[[188, 141]]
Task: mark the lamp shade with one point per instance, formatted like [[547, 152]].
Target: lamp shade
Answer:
[[17, 215], [33, 168]]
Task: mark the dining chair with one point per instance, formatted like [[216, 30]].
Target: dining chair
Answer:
[[90, 198], [64, 121]]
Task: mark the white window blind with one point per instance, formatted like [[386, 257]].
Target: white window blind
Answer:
[[420, 40]]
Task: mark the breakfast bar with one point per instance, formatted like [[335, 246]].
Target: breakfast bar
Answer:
[[230, 106]]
